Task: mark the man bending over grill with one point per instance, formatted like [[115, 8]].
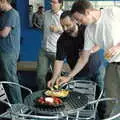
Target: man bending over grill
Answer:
[[69, 47]]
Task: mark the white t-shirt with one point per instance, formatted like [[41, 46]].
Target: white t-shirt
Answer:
[[50, 38], [105, 32]]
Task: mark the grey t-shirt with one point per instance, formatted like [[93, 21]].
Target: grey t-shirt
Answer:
[[11, 43]]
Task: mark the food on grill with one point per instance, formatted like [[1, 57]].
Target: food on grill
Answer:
[[56, 86], [57, 93], [48, 101]]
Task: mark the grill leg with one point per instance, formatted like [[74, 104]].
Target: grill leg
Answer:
[[77, 115], [67, 117]]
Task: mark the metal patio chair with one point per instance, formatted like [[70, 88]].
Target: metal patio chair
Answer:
[[23, 112], [19, 111], [17, 108], [111, 117], [88, 88], [67, 117]]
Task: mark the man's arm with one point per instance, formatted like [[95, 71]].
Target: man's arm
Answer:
[[56, 72], [56, 29], [5, 32], [57, 69], [82, 61]]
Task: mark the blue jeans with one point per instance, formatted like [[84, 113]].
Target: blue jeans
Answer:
[[97, 77], [8, 73], [44, 61]]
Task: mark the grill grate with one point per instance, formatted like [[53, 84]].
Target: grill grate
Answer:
[[73, 101]]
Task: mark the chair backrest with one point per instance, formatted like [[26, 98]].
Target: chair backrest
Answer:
[[18, 111], [86, 87], [4, 99], [3, 95], [4, 102]]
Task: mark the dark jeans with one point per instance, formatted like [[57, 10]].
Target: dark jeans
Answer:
[[112, 87], [44, 61], [8, 73]]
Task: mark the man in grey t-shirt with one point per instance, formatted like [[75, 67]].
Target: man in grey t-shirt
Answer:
[[9, 48], [52, 31]]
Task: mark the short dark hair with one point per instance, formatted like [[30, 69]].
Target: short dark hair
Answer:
[[9, 1], [40, 7], [60, 1], [80, 6], [31, 6], [65, 14]]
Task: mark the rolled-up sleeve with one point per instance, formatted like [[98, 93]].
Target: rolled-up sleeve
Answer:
[[88, 43]]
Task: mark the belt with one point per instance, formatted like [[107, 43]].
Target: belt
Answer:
[[116, 63]]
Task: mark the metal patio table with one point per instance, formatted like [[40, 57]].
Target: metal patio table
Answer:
[[72, 104]]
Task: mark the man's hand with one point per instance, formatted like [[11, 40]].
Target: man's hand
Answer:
[[54, 28], [50, 83], [112, 51], [62, 80], [95, 49]]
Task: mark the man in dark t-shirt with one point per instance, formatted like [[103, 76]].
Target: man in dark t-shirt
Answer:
[[70, 46]]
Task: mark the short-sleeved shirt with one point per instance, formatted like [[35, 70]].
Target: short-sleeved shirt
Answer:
[[69, 47], [11, 43], [38, 19], [50, 38], [105, 32]]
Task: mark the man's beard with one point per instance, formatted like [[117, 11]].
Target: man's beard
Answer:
[[69, 32]]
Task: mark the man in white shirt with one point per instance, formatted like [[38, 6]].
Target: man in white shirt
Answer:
[[52, 31], [102, 30]]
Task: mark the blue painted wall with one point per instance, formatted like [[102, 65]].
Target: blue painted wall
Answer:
[[30, 38]]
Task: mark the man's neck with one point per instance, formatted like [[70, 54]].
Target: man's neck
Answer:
[[55, 12], [97, 15], [75, 33], [8, 7]]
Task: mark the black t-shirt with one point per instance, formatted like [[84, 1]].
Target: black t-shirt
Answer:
[[69, 47]]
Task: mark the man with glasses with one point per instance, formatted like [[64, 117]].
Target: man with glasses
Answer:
[[69, 46], [52, 31], [102, 30]]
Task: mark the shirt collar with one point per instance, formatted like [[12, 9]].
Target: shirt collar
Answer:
[[58, 13]]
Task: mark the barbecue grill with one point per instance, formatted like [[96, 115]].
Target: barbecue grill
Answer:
[[71, 104]]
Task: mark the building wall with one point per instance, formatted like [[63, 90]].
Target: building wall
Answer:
[[30, 38]]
